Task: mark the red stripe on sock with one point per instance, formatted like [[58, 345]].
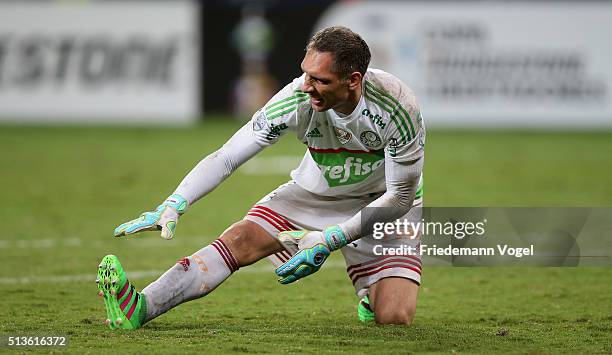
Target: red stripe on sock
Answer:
[[229, 254], [229, 266]]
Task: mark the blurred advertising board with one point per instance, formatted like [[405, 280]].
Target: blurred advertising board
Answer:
[[493, 64], [99, 62]]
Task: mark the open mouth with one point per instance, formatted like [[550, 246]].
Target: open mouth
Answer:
[[316, 101]]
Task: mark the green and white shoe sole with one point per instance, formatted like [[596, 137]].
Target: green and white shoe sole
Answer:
[[124, 306]]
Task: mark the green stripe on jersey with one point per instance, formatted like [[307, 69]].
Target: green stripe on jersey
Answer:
[[371, 95], [288, 108], [294, 100], [286, 105], [296, 94], [394, 105], [397, 103]]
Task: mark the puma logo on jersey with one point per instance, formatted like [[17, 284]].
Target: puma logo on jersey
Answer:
[[315, 133], [275, 131], [376, 119], [393, 144]]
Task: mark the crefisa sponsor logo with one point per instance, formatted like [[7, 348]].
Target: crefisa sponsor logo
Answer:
[[376, 118], [352, 170]]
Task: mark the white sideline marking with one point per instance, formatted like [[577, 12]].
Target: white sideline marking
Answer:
[[134, 275], [151, 240], [275, 165], [69, 278]]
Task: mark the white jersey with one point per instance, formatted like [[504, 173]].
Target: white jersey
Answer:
[[346, 154]]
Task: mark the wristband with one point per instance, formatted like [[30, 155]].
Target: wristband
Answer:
[[334, 237]]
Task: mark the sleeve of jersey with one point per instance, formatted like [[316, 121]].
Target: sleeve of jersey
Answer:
[[216, 167], [266, 126], [405, 136], [280, 114], [402, 179]]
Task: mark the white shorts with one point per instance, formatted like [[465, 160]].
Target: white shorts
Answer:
[[290, 207]]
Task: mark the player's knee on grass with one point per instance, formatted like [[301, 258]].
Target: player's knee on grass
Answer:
[[394, 300], [394, 315], [249, 242]]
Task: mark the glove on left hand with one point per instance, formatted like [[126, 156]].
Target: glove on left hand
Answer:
[[314, 247]]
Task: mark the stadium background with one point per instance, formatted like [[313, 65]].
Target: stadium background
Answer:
[[70, 176]]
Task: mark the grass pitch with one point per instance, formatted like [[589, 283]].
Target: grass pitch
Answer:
[[65, 189]]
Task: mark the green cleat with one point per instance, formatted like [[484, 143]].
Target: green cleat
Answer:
[[365, 313], [125, 308]]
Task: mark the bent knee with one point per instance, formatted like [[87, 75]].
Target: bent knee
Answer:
[[403, 316], [248, 242], [239, 233]]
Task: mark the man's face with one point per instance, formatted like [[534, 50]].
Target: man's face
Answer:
[[326, 89]]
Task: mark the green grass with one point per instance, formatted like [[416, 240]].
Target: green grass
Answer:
[[65, 188]]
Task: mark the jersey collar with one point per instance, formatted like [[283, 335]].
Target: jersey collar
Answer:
[[355, 113]]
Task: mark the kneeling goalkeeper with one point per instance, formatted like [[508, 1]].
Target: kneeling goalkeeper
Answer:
[[365, 148]]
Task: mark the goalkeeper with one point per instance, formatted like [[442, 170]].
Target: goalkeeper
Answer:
[[365, 148]]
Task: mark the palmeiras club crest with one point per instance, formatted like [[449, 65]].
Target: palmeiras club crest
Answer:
[[343, 136], [370, 139]]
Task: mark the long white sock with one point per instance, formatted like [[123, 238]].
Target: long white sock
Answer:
[[192, 277]]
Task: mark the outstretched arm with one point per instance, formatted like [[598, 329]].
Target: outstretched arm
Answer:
[[267, 125], [216, 167], [202, 179]]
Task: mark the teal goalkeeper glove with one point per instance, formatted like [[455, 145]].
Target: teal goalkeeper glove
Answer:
[[164, 218], [313, 250]]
